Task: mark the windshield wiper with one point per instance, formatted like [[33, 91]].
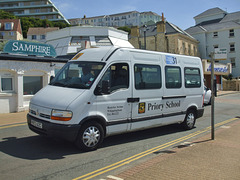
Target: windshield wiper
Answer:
[[58, 84], [79, 86]]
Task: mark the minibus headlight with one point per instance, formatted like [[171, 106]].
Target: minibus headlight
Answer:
[[59, 115]]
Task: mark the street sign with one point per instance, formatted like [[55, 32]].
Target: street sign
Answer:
[[220, 54]]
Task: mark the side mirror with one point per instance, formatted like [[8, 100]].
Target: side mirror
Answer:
[[102, 89], [51, 78]]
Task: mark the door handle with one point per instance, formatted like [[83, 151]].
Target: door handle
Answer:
[[132, 100]]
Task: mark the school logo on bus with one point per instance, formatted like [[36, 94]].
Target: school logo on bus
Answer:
[[141, 108]]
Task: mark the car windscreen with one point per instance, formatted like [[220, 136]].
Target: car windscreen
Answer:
[[78, 74]]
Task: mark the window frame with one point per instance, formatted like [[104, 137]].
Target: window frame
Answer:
[[147, 87], [232, 49], [12, 84], [42, 81], [231, 33], [185, 75], [180, 73]]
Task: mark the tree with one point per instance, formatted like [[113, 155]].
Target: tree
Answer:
[[125, 28], [6, 15], [27, 22]]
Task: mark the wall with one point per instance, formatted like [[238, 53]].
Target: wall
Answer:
[[15, 100], [231, 85]]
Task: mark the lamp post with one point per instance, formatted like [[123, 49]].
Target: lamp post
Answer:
[[144, 35]]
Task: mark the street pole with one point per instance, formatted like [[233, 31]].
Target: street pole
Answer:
[[212, 95], [144, 36]]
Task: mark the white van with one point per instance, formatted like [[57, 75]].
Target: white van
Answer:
[[110, 90]]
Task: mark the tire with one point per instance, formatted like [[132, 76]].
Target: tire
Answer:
[[189, 120], [90, 136]]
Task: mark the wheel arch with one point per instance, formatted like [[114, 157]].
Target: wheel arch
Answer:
[[97, 119]]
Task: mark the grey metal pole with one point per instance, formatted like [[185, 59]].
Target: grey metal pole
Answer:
[[212, 95]]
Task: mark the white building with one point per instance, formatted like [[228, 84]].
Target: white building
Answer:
[[39, 33], [131, 18], [216, 28], [70, 40], [21, 77]]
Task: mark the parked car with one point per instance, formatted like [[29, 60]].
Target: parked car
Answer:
[[207, 95]]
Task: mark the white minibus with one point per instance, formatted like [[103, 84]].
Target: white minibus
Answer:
[[111, 90]]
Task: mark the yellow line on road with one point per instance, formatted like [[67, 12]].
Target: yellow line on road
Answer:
[[147, 152], [13, 125]]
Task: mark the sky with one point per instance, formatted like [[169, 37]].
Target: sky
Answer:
[[179, 12]]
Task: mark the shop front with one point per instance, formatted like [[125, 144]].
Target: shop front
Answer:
[[22, 74], [219, 71]]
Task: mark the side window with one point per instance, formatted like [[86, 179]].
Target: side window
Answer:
[[173, 77], [147, 76], [192, 77], [117, 77]]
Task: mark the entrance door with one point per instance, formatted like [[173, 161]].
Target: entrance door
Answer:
[[113, 103], [147, 111]]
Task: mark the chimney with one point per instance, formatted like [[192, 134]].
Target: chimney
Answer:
[[163, 17]]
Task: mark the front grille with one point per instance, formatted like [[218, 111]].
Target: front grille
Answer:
[[44, 115]]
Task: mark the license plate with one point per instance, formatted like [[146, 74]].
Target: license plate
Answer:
[[36, 124]]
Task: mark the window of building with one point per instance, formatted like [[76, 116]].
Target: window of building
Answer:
[[173, 77], [42, 36], [192, 77], [102, 41], [147, 76], [76, 40], [215, 46], [34, 36], [8, 26], [233, 62], [232, 47], [6, 84], [231, 33], [215, 34], [32, 84]]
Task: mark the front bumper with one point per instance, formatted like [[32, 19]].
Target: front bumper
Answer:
[[67, 132]]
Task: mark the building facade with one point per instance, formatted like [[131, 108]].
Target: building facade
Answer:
[[23, 76], [39, 33], [132, 18], [72, 39], [10, 29], [164, 37], [42, 9], [216, 28]]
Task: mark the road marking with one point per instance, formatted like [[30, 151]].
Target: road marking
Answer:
[[13, 125], [147, 152], [114, 177]]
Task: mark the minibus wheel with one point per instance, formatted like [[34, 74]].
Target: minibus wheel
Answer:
[[189, 120], [90, 136]]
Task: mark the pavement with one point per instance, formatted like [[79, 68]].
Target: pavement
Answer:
[[202, 158]]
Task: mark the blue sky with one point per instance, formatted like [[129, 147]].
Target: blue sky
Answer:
[[178, 12]]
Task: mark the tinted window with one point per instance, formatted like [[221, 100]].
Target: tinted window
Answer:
[[173, 77], [147, 76], [192, 77]]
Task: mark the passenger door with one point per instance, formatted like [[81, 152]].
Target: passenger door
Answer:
[[147, 108], [112, 102]]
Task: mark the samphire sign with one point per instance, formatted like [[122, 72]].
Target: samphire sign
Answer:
[[29, 48]]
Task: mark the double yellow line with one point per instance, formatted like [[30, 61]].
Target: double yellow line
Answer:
[[13, 125], [145, 153]]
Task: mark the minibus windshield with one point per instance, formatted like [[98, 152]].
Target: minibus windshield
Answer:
[[78, 74]]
